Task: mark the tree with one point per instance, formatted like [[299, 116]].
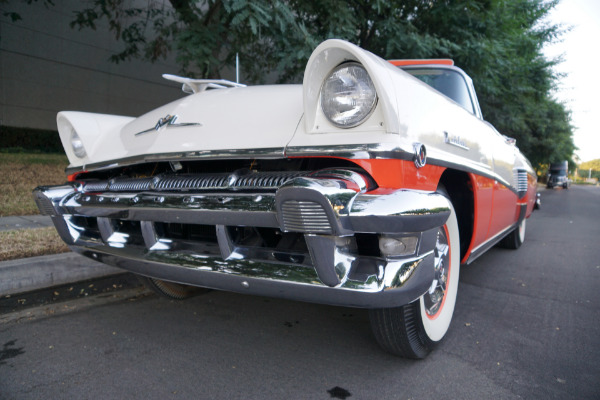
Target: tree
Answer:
[[590, 169], [205, 35], [14, 16]]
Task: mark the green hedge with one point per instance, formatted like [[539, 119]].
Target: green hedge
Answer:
[[13, 139]]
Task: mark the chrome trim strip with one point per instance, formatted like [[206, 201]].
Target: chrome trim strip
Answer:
[[362, 151], [472, 169], [260, 153], [353, 151], [359, 151], [213, 209], [491, 242], [392, 151]]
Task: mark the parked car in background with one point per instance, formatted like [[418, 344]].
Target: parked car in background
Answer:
[[366, 186], [558, 175]]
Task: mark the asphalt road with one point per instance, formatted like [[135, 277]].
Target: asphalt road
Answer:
[[526, 326]]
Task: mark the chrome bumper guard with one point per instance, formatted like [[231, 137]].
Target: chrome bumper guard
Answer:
[[124, 229]]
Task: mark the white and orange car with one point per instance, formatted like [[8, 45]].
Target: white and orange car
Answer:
[[366, 186]]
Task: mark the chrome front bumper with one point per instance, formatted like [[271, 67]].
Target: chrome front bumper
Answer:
[[124, 229]]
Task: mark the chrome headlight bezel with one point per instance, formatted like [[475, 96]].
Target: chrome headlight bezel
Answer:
[[353, 100]]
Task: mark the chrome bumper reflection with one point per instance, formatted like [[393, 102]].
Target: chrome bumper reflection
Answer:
[[325, 213], [400, 282]]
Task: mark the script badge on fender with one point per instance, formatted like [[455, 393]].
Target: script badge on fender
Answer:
[[168, 121]]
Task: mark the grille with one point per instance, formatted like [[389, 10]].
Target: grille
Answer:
[[305, 216], [521, 180], [193, 232], [254, 180], [192, 182], [266, 179], [96, 186], [130, 185]]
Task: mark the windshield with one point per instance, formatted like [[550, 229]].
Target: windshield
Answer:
[[448, 82]]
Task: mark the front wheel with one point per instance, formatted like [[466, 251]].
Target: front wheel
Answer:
[[413, 330], [171, 290]]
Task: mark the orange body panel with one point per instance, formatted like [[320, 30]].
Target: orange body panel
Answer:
[[496, 208], [401, 174], [483, 194], [435, 61], [495, 205], [504, 209], [73, 177]]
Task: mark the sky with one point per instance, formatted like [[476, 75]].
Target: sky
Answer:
[[580, 89]]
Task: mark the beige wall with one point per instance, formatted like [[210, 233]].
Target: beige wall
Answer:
[[46, 67]]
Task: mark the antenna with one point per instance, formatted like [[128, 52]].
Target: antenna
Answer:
[[237, 68]]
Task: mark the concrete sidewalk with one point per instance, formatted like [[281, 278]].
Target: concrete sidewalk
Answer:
[[34, 273]]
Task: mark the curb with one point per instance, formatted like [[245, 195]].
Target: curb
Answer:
[[34, 273], [25, 222]]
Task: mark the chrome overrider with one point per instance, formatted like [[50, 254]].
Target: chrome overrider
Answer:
[[327, 209]]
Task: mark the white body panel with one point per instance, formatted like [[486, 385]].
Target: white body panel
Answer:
[[408, 112], [229, 119], [285, 120]]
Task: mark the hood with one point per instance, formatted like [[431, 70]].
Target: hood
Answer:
[[231, 120], [224, 119]]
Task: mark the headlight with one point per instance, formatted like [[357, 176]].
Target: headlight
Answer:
[[77, 144], [348, 95]]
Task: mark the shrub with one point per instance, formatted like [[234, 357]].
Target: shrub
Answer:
[[16, 140]]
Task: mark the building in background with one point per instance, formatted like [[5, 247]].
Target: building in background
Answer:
[[46, 67]]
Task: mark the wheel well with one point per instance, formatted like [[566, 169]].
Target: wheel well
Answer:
[[460, 189]]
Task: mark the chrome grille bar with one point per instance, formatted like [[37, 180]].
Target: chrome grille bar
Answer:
[[305, 216], [236, 180]]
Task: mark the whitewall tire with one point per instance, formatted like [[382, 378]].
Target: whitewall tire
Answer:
[[413, 330], [515, 239]]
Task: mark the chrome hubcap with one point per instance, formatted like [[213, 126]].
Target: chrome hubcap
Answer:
[[434, 298]]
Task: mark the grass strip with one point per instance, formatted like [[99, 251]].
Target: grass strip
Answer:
[[20, 173], [24, 243]]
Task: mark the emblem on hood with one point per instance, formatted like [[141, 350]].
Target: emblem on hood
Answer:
[[168, 121]]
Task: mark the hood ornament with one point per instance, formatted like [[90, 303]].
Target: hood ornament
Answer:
[[168, 121]]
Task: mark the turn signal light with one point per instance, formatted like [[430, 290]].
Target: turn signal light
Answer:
[[398, 246]]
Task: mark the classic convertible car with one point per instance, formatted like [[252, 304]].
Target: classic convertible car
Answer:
[[366, 186]]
